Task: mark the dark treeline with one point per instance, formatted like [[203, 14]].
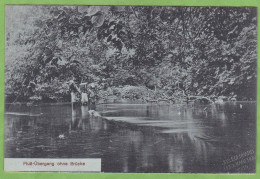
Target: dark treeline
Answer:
[[171, 51]]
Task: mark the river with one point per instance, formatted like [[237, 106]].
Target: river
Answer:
[[215, 138]]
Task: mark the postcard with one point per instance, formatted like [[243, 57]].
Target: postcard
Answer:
[[130, 89]]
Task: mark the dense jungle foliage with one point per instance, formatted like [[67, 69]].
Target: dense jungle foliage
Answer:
[[131, 52]]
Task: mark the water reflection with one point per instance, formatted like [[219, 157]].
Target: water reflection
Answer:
[[134, 138]]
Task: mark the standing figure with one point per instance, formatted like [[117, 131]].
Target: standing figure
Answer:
[[74, 90], [92, 93], [84, 94]]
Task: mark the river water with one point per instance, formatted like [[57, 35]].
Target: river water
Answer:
[[215, 138]]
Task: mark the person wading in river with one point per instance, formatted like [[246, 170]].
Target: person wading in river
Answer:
[[92, 96], [84, 93], [74, 90]]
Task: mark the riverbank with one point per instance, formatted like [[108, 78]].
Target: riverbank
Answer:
[[140, 94]]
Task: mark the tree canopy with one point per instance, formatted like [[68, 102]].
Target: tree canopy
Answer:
[[208, 51]]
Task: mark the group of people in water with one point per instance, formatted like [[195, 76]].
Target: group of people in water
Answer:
[[85, 94]]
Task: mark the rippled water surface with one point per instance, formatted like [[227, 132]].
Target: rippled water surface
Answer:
[[138, 137]]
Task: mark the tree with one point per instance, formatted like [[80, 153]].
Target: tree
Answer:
[[206, 51]]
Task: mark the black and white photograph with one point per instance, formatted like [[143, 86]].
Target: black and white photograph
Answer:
[[142, 89]]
